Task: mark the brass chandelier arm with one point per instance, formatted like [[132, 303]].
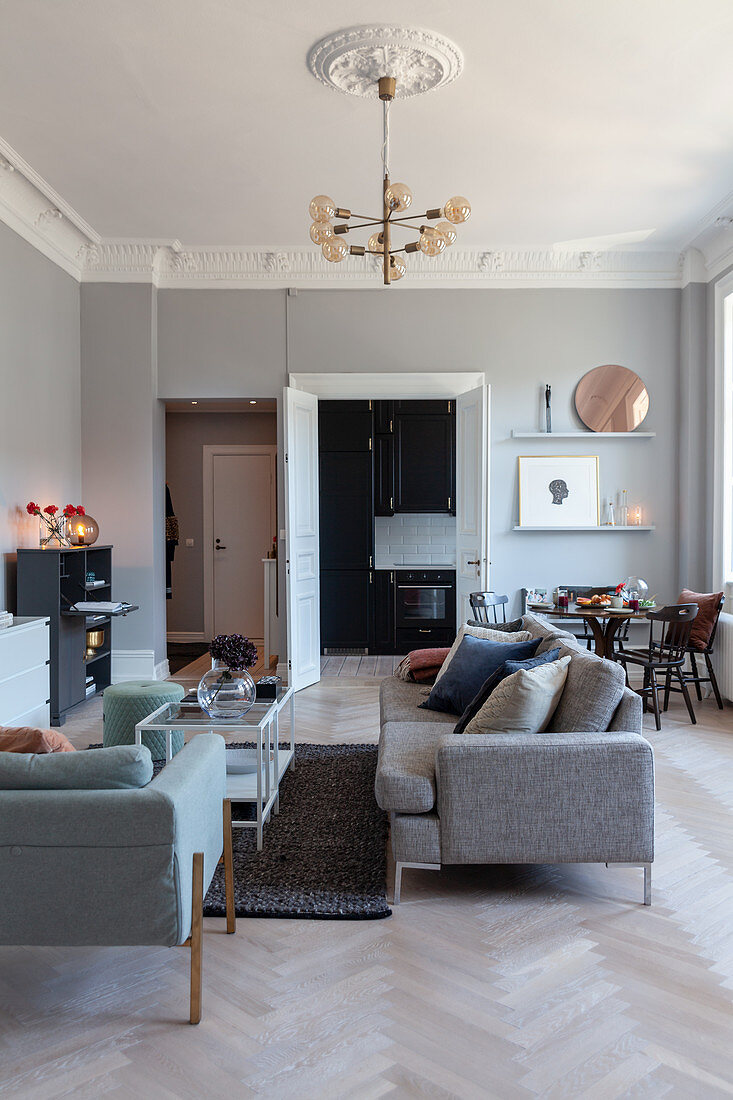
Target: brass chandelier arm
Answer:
[[401, 222]]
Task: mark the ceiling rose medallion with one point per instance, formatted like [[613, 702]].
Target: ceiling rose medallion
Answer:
[[390, 62]]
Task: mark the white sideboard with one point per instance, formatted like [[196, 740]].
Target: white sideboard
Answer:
[[24, 673]]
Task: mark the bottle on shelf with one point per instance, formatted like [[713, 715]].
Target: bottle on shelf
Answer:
[[623, 518], [610, 514]]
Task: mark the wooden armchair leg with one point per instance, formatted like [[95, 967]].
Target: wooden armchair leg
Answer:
[[197, 935], [229, 868]]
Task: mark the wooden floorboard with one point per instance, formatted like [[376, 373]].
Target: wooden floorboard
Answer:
[[506, 982]]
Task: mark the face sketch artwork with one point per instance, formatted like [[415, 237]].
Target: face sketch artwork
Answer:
[[559, 490]]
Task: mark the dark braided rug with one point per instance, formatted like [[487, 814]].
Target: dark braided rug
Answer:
[[324, 854]]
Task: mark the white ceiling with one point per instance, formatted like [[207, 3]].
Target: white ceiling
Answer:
[[198, 119]]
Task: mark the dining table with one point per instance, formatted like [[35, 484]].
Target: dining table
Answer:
[[604, 624]]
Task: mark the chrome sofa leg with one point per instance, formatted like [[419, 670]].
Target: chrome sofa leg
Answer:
[[647, 868], [398, 869]]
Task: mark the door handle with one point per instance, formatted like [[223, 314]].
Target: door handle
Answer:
[[477, 562], [218, 547]]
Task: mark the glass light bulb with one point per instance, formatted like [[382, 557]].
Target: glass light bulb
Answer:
[[321, 232], [457, 210], [398, 196], [398, 267], [431, 242], [335, 250], [322, 208], [374, 244], [446, 230]]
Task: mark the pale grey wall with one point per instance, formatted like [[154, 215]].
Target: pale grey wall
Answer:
[[40, 446], [123, 451], [520, 339], [186, 435]]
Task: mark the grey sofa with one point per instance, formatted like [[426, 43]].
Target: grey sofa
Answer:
[[89, 865], [569, 795]]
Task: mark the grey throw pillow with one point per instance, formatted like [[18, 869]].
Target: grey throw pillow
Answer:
[[592, 692], [122, 767], [524, 702], [507, 669]]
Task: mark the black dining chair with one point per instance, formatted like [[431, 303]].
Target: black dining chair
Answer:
[[694, 676], [664, 656], [484, 602]]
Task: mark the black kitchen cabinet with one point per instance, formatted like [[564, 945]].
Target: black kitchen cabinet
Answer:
[[344, 426], [383, 417], [384, 475], [346, 608], [423, 408], [424, 462], [345, 502], [384, 608]]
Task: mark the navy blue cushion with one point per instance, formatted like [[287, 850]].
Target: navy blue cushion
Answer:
[[474, 661], [495, 679]]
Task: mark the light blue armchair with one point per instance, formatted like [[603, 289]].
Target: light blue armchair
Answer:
[[98, 866]]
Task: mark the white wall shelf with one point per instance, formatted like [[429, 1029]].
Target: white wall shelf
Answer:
[[608, 530], [583, 435]]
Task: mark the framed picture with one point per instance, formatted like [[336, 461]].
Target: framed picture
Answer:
[[558, 491]]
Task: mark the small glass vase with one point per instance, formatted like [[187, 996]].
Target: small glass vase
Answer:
[[54, 536], [226, 692]]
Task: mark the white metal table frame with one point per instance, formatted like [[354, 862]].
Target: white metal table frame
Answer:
[[266, 734]]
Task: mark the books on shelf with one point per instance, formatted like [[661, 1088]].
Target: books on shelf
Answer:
[[95, 584], [6, 619], [91, 689], [97, 607]]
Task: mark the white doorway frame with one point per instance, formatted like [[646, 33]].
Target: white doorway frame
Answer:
[[210, 450], [405, 385]]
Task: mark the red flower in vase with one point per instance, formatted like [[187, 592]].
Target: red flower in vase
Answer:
[[51, 509], [32, 508], [80, 511]]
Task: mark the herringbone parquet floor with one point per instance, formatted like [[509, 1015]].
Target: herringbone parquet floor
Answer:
[[509, 982]]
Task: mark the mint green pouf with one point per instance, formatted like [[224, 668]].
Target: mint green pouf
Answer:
[[128, 703]]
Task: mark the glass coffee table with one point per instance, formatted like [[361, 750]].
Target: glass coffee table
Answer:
[[253, 775]]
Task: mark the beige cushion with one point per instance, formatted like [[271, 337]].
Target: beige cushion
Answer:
[[524, 702], [482, 632]]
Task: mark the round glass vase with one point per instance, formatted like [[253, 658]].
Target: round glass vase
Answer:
[[52, 534], [226, 692]]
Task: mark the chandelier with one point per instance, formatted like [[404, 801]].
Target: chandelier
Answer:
[[427, 62]]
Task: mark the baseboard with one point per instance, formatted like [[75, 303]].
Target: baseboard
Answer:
[[181, 637], [133, 664], [282, 671], [162, 670]]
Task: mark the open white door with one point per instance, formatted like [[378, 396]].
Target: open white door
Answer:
[[472, 498], [301, 537]]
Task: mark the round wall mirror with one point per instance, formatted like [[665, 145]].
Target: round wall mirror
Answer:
[[611, 398]]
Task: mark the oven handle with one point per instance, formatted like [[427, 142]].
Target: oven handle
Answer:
[[434, 587]]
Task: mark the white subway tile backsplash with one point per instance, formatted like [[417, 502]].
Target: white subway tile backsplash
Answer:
[[414, 540]]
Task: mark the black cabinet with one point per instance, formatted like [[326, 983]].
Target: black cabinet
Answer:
[[384, 475], [424, 463], [344, 426], [346, 608], [384, 611], [346, 506], [345, 501], [49, 582], [423, 408]]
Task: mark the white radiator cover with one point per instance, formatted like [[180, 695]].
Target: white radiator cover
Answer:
[[723, 657]]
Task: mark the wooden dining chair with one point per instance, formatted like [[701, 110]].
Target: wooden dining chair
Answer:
[[484, 602], [694, 676], [664, 657]]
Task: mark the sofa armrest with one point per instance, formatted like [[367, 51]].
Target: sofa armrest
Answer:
[[111, 866], [555, 798]]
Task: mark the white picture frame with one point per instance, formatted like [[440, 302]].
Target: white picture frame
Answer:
[[559, 491]]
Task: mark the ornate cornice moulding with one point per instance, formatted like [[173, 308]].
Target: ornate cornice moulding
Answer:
[[170, 264]]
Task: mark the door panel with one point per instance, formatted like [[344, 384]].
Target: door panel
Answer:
[[384, 475], [383, 614], [344, 426], [301, 541], [424, 463], [346, 598], [472, 498], [346, 511], [243, 528]]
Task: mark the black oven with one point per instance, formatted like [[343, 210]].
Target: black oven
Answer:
[[425, 608]]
